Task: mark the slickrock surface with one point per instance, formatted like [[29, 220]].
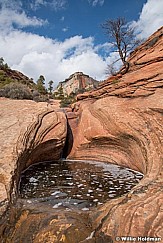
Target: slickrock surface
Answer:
[[122, 122], [144, 77], [30, 132]]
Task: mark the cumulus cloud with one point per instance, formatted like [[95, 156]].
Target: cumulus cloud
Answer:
[[94, 3], [151, 18], [12, 14], [56, 60], [9, 18]]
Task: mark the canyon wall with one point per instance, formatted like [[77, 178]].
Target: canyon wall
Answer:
[[30, 132], [122, 122]]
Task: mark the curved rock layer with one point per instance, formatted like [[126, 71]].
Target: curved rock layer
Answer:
[[30, 132], [122, 122], [144, 76]]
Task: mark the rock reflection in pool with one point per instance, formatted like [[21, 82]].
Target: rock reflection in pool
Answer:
[[71, 183]]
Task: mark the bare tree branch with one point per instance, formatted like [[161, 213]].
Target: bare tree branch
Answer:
[[122, 37]]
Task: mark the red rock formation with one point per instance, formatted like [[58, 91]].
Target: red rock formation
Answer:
[[144, 76], [31, 132], [122, 122], [77, 83]]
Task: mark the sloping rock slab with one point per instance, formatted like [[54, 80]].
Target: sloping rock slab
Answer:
[[30, 132]]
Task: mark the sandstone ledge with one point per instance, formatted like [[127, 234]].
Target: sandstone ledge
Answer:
[[30, 132], [122, 122]]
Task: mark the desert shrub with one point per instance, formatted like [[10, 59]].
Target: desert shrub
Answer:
[[1, 92], [40, 98], [16, 91], [66, 101], [35, 94], [5, 80]]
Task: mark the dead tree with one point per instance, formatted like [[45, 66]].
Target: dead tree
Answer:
[[122, 37]]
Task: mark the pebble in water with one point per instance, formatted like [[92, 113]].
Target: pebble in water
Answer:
[[80, 184]]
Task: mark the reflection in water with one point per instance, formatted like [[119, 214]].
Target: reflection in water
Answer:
[[76, 184]]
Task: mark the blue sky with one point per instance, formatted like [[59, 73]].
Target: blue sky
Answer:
[[81, 17], [58, 37]]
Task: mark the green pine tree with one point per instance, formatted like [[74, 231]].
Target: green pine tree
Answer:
[[41, 85], [50, 88]]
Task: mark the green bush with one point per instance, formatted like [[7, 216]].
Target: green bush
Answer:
[[16, 91], [66, 101], [41, 98], [20, 91]]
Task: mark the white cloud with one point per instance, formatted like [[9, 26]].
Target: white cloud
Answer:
[[151, 18], [105, 47], [34, 55], [9, 18], [55, 4], [14, 4], [65, 29], [56, 60], [94, 3], [12, 14]]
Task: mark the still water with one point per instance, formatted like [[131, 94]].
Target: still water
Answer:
[[76, 184]]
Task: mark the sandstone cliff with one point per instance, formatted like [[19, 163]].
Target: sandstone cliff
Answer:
[[77, 83], [122, 122]]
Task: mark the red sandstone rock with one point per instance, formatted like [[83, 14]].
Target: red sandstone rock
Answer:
[[76, 83], [27, 125], [145, 70], [123, 124]]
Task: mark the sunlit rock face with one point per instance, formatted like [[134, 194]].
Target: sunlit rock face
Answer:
[[78, 82], [122, 122], [30, 131]]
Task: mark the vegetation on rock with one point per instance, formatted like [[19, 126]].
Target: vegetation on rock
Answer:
[[123, 40], [15, 85], [65, 100], [50, 88], [16, 91], [41, 85]]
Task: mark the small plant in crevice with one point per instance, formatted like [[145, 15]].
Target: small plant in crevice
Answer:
[[115, 81], [66, 101]]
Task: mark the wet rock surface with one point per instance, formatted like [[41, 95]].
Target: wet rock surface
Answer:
[[75, 184], [121, 122]]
